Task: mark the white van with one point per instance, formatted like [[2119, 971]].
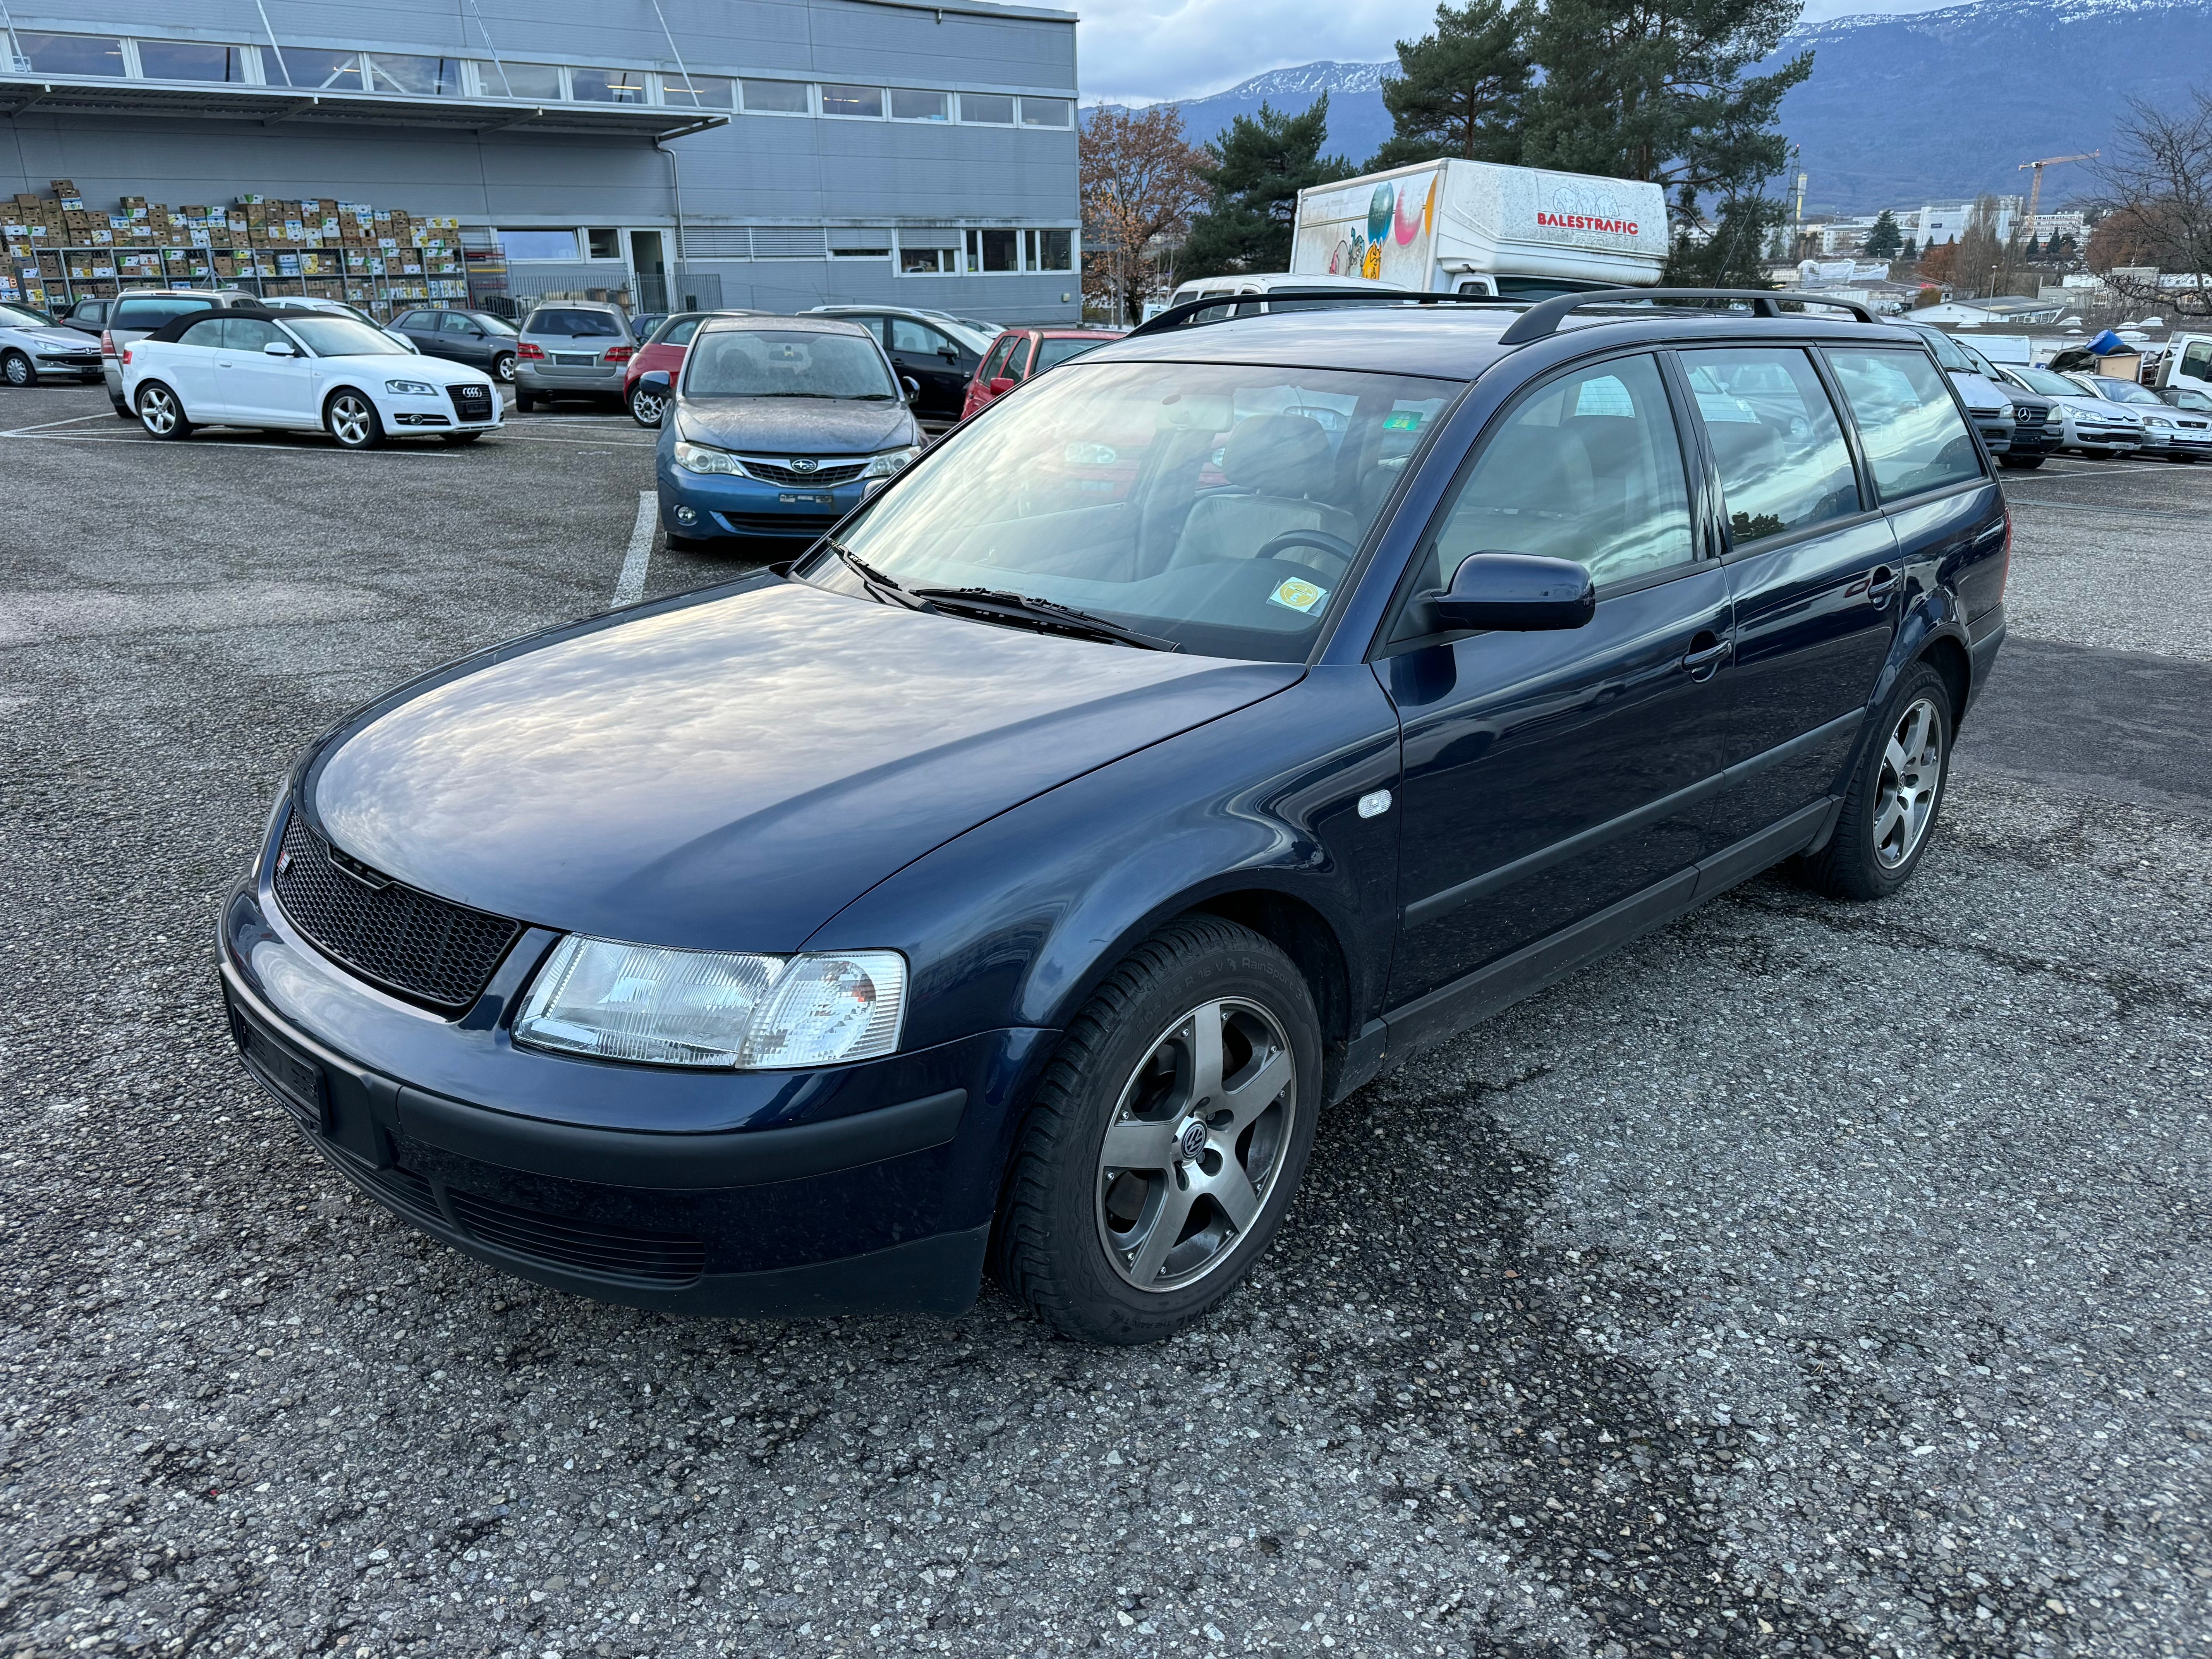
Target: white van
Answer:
[[1263, 282]]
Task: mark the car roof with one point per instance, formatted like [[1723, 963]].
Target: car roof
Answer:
[[1450, 341]]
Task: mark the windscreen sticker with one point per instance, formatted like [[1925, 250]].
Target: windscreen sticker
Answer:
[[1406, 420], [1295, 595]]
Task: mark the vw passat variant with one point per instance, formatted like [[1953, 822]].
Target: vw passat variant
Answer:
[[1010, 883]]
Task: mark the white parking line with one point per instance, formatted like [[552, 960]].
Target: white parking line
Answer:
[[74, 420], [629, 587]]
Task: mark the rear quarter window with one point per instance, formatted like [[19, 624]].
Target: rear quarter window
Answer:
[[1914, 437]]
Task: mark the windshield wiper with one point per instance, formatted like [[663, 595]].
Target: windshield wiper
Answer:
[[881, 588], [1049, 615]]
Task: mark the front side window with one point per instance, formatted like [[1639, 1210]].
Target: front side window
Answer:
[[2196, 360], [853, 100], [504, 80], [991, 108], [1914, 437], [921, 105], [246, 333], [342, 337], [71, 54], [453, 323], [1782, 461], [751, 363], [1587, 468], [188, 60], [1219, 506], [774, 97], [918, 339], [606, 85]]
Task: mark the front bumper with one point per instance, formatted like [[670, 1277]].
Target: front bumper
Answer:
[[1997, 433], [720, 505], [854, 1190], [84, 364]]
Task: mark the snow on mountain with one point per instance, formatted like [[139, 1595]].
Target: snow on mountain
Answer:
[[1357, 123]]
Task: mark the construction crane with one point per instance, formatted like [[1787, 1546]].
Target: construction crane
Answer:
[[2035, 188]]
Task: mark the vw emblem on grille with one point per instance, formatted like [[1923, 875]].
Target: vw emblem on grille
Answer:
[[804, 465], [1192, 1141]]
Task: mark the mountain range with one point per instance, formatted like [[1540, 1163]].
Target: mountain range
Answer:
[[1900, 110]]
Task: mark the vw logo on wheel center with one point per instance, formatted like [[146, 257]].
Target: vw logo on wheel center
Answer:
[[1192, 1141]]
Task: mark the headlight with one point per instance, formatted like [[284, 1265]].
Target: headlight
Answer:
[[891, 461], [697, 458], [667, 1008], [2157, 420], [412, 388]]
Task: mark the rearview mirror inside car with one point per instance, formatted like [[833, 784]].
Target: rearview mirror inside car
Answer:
[[1520, 592], [280, 349]]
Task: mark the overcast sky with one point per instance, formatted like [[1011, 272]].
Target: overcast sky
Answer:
[[1138, 51]]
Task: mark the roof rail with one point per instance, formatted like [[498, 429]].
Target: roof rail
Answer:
[[1542, 320], [1188, 314]]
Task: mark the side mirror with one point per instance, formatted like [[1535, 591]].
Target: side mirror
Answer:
[[951, 353], [912, 386], [1518, 592], [1002, 386], [280, 349], [658, 378]]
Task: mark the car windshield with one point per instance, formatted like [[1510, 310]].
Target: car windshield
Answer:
[[794, 363], [2124, 391], [342, 337], [1217, 506], [492, 325], [1052, 353], [22, 317], [675, 331], [2195, 402], [2049, 384]]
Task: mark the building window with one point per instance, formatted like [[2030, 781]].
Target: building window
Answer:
[[994, 250], [603, 244], [520, 80], [1046, 111], [865, 101], [927, 261], [1050, 250], [539, 244], [324, 71], [988, 108], [72, 54], [188, 60], [774, 97], [698, 92], [597, 86], [921, 105], [425, 77], [882, 252]]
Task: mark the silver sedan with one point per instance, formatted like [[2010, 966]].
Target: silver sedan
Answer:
[[32, 348]]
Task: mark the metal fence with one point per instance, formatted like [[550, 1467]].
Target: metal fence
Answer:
[[508, 295]]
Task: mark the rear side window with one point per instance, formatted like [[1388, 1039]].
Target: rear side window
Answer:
[[1914, 437], [153, 313], [578, 324], [208, 332], [1782, 461], [415, 320], [1588, 468]]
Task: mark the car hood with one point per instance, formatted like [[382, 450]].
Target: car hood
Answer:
[[2100, 409], [418, 366], [50, 337], [783, 425], [730, 772]]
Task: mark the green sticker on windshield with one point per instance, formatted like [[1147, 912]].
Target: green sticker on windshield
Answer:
[[1406, 420], [1295, 595]]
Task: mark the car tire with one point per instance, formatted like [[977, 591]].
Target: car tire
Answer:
[[503, 369], [457, 439], [1889, 813], [1114, 1254], [350, 417], [645, 400], [162, 413], [524, 403], [17, 369], [2023, 463]]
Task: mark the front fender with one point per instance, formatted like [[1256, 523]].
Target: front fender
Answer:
[[1015, 922]]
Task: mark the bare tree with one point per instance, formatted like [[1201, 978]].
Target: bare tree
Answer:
[[2158, 184], [1141, 184]]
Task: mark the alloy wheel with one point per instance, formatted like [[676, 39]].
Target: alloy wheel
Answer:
[[1911, 772], [1196, 1144], [157, 408], [648, 407], [502, 369], [350, 416]]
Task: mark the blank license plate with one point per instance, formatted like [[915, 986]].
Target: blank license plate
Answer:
[[288, 1074], [575, 359]]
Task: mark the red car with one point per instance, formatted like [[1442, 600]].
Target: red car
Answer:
[[1020, 353], [663, 351]]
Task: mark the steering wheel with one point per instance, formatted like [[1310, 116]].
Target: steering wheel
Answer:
[[1336, 546]]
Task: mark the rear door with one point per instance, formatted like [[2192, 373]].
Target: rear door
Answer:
[[421, 328], [1813, 575], [1549, 775], [931, 358]]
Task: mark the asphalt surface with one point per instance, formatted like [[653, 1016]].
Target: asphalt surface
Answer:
[[1810, 1279]]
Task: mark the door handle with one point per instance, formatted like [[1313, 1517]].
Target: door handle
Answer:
[[1708, 651], [1880, 586]]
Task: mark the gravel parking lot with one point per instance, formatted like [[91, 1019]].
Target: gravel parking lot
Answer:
[[1809, 1280]]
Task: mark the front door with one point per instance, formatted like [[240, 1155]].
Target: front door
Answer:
[[1550, 775], [189, 366], [463, 339], [1812, 572], [933, 360], [261, 390]]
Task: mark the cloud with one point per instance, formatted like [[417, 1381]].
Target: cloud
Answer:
[[1139, 52]]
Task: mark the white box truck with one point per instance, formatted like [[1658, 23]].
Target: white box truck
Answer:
[[1467, 227], [1476, 227]]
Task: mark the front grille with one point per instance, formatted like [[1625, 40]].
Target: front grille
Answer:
[[584, 1247], [2027, 417], [828, 473], [471, 403], [413, 943], [780, 524]]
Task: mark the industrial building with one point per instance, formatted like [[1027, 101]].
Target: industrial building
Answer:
[[775, 153]]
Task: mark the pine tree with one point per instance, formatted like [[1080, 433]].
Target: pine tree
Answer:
[[1883, 241], [1640, 90], [1910, 253], [1459, 92], [1254, 172]]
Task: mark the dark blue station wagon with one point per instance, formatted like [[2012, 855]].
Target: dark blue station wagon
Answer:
[[1007, 884]]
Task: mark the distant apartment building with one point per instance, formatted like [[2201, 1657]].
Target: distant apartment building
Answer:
[[1946, 222]]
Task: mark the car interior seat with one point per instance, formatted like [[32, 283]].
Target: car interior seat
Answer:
[[1271, 463]]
